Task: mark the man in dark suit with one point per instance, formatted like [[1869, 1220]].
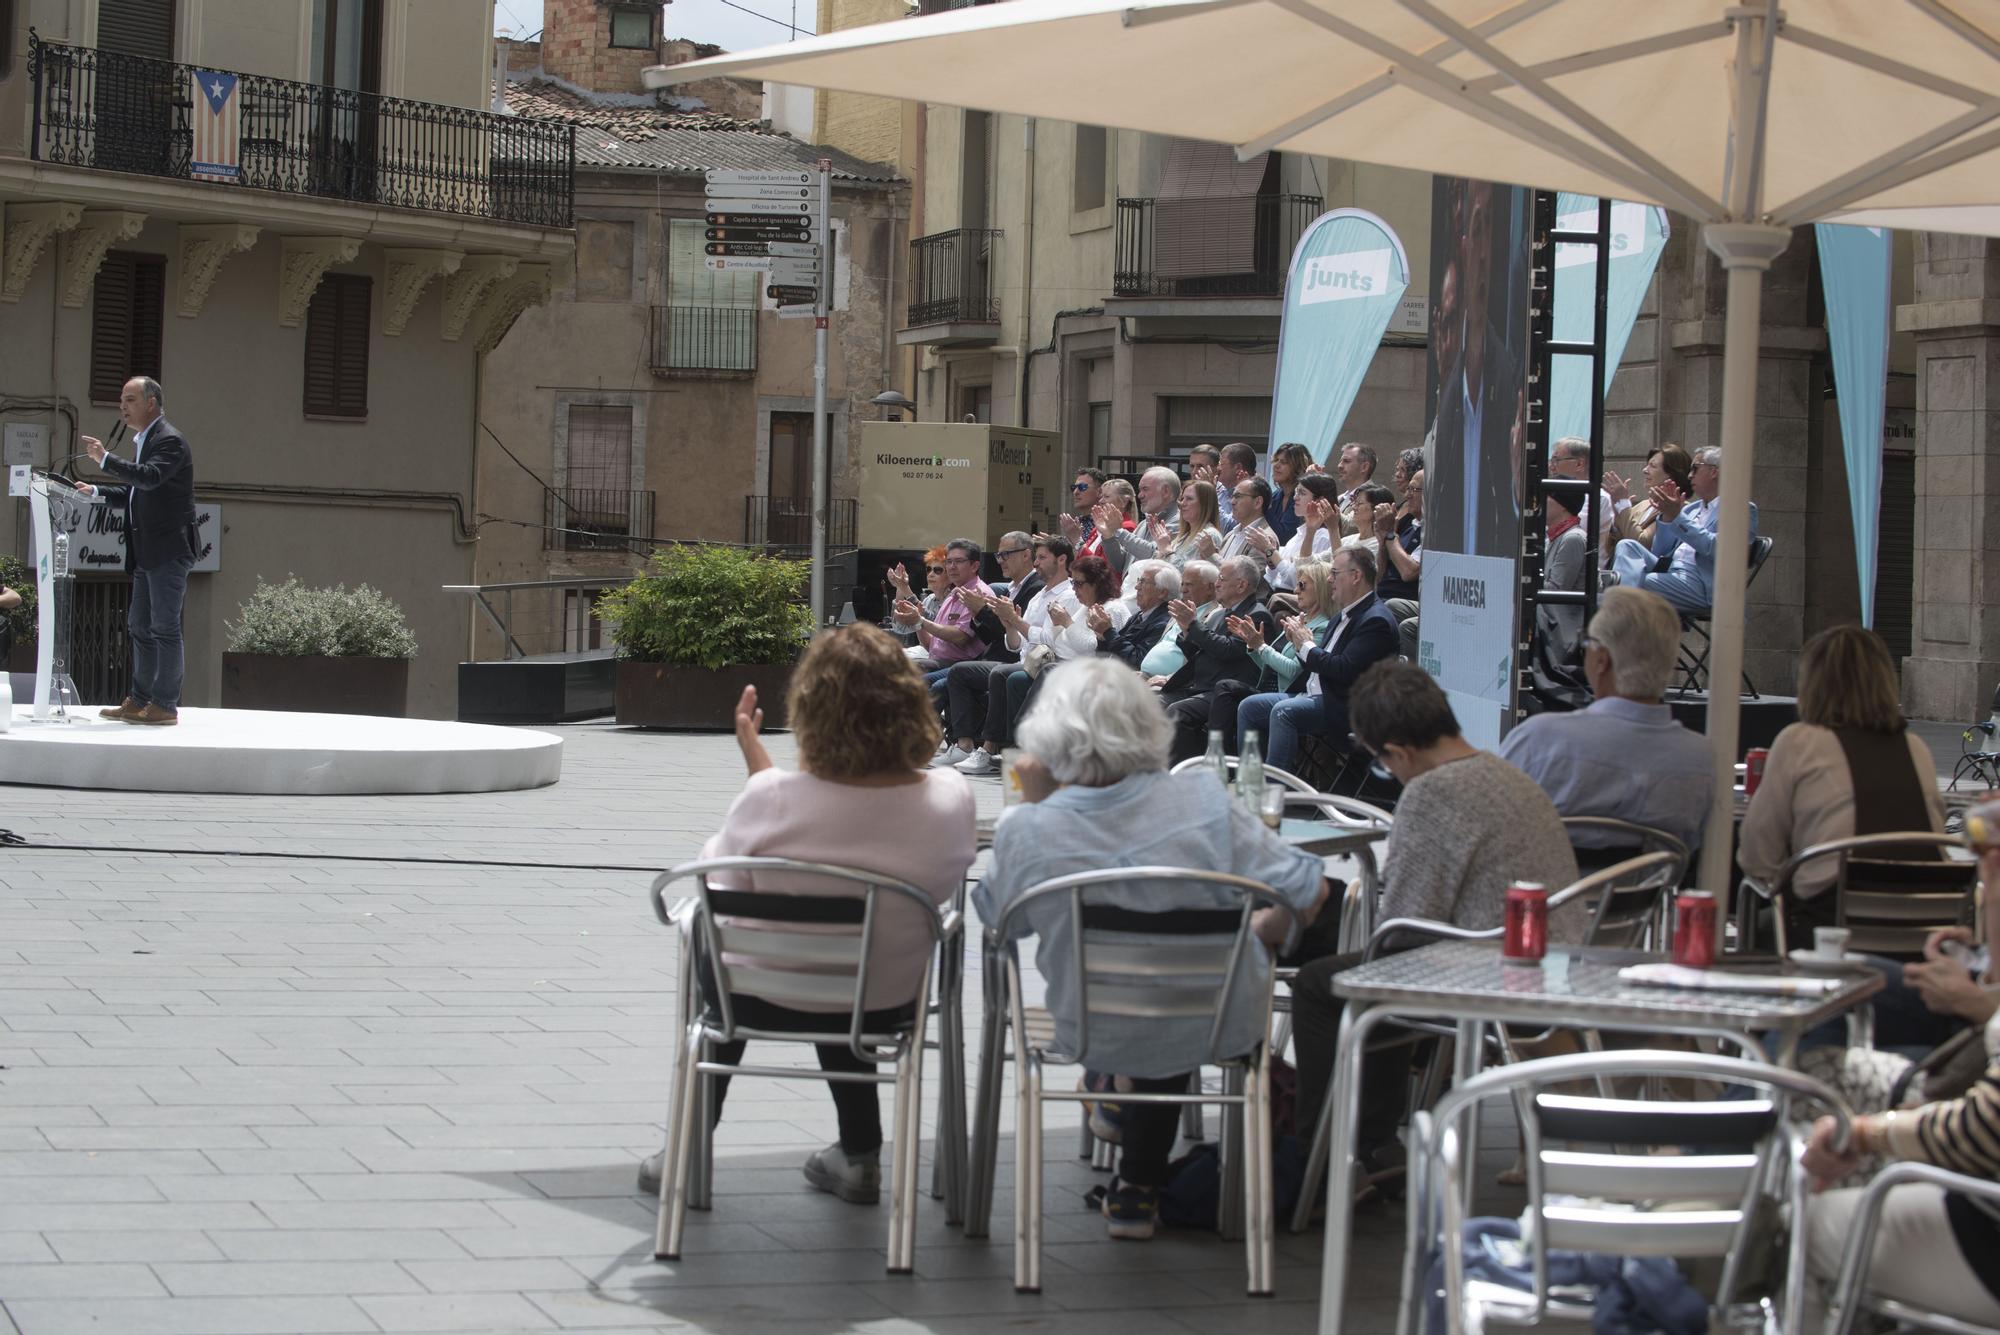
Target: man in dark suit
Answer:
[[1214, 656], [1316, 702], [1157, 585], [155, 490]]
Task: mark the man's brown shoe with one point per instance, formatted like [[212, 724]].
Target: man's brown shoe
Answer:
[[155, 716], [121, 712]]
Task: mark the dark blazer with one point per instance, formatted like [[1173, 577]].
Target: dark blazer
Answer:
[[157, 497], [1214, 655], [988, 628], [1136, 638], [1370, 637]]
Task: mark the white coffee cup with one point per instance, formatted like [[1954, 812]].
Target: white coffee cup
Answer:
[[1830, 943]]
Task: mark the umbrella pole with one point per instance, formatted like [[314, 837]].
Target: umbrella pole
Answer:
[[1746, 251]]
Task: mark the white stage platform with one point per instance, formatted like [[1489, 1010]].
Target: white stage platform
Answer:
[[254, 751]]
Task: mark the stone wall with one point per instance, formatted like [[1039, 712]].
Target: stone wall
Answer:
[[576, 47]]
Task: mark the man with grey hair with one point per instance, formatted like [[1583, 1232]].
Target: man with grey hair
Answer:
[[155, 489], [1212, 654], [1093, 771], [1570, 458], [1159, 518], [1680, 566], [1155, 584], [1198, 580], [1624, 756]]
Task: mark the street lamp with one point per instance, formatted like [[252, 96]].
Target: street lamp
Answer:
[[891, 402]]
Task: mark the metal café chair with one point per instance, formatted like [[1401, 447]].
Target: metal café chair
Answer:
[[1625, 904], [1623, 1177], [794, 949], [1116, 978], [1851, 1295], [1890, 901]]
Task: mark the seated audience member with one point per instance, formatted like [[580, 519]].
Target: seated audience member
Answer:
[[1155, 584], [1277, 658], [1633, 516], [1318, 532], [946, 629], [1936, 1249], [865, 730], [1071, 636], [1213, 655], [1159, 498], [1289, 463], [1204, 463], [1250, 500], [1080, 526], [1238, 462], [1361, 634], [1409, 463], [1850, 765], [1199, 536], [1684, 535], [1466, 825], [1198, 582], [1016, 558], [1093, 770], [1624, 756], [1569, 458], [1373, 514], [977, 692], [1561, 624], [1354, 469], [1401, 584]]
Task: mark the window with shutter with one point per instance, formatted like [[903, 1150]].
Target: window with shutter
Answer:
[[128, 303], [136, 28], [336, 378]]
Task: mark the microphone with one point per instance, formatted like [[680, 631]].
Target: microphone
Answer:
[[64, 471]]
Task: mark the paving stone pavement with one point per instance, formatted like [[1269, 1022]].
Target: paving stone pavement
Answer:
[[305, 1095]]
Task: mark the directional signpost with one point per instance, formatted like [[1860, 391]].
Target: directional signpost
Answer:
[[775, 222]]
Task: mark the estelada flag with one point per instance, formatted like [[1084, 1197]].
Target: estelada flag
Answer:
[[218, 126]]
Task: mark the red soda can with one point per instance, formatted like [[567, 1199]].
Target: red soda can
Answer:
[[1753, 768], [1525, 938], [1694, 929]]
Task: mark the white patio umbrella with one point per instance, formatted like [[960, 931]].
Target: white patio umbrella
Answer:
[[1745, 116]]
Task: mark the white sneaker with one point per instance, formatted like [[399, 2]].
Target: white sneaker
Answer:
[[979, 762], [951, 755]]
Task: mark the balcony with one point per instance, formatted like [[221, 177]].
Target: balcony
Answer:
[[785, 522], [952, 301], [592, 519], [120, 113], [1222, 256], [718, 342]]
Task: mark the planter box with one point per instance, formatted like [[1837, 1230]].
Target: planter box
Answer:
[[307, 685], [659, 695]]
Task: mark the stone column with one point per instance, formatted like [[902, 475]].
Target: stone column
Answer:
[[1955, 639]]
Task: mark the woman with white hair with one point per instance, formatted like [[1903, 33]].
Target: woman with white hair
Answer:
[[1093, 769]]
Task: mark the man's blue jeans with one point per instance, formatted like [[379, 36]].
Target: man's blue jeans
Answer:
[[154, 623], [1634, 564], [1279, 719]]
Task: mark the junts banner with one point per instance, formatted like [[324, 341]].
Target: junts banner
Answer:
[[1347, 277], [1638, 234], [1854, 267]]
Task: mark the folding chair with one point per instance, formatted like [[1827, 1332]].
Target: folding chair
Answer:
[[1851, 1294], [1636, 1189], [1890, 901], [1694, 662], [1215, 955], [792, 949]]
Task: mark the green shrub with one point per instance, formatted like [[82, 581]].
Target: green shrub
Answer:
[[21, 579], [339, 622], [710, 607]]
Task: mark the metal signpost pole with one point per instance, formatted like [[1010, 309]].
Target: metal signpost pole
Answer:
[[822, 461]]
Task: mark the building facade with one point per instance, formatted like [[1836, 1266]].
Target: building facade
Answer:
[[314, 273]]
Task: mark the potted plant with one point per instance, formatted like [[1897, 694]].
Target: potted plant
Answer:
[[19, 629], [700, 625], [320, 651]]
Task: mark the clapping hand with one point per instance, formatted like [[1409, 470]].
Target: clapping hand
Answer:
[[1072, 528], [1105, 515], [1204, 545], [1616, 487], [1667, 501], [908, 613], [901, 579], [1321, 514], [1298, 632], [972, 598], [1098, 619], [1182, 611], [1203, 472], [1385, 519], [749, 722], [1059, 616], [1248, 631], [1263, 539]]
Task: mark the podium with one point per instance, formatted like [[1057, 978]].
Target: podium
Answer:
[[55, 507]]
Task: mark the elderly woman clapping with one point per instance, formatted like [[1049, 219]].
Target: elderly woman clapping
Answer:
[[1094, 771]]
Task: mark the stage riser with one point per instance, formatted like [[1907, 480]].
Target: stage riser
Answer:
[[551, 688], [1759, 721]]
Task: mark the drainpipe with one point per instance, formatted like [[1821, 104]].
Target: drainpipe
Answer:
[[1026, 339]]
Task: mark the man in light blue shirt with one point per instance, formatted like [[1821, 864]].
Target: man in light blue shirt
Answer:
[[1164, 659], [1685, 533], [1624, 756]]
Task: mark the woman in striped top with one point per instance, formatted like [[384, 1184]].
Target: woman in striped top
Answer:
[[1934, 1248]]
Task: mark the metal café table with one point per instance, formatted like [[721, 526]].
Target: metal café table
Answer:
[[1320, 838], [1465, 983]]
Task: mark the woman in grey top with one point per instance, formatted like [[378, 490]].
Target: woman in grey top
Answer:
[[1094, 772], [1467, 824]]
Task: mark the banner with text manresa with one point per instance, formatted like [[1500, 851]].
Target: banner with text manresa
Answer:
[[1638, 234], [1854, 269], [1347, 276]]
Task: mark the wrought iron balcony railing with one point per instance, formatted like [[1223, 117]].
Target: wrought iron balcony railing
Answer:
[[951, 277], [704, 340], [786, 521], [593, 519], [1231, 247], [123, 113]]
